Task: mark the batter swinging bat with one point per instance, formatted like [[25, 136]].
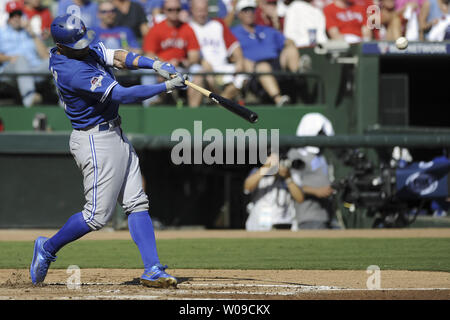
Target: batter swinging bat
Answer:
[[226, 103]]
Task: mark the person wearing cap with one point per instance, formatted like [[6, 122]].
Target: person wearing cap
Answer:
[[21, 51], [316, 211], [265, 50]]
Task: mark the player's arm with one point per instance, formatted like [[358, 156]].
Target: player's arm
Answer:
[[140, 93], [130, 60]]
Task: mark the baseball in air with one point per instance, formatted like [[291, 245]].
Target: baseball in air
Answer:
[[401, 43]]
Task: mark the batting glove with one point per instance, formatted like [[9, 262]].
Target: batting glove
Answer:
[[164, 69], [177, 82]]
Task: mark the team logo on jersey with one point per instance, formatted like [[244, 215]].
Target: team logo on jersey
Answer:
[[96, 82]]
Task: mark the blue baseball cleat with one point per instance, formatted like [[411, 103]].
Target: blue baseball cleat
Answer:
[[41, 261], [158, 278]]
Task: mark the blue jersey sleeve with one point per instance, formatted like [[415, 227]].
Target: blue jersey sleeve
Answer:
[[92, 83]]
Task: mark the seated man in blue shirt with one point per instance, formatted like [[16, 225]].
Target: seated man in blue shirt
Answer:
[[112, 36], [265, 49], [22, 51]]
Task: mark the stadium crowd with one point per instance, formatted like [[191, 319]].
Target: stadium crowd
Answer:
[[222, 36]]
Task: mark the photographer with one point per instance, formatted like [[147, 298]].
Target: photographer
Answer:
[[316, 211], [273, 196]]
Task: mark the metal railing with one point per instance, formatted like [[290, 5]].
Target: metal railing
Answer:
[[128, 73]]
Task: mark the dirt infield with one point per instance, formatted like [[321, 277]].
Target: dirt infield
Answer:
[[99, 284]]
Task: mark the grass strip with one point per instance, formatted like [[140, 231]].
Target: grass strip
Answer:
[[428, 254]]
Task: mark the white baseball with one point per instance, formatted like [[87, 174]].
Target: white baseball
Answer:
[[401, 43]]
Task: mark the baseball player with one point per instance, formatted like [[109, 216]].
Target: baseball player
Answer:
[[109, 164]]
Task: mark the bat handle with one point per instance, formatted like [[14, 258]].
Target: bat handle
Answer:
[[198, 88]]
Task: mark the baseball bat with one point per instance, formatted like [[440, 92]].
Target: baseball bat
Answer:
[[226, 103]]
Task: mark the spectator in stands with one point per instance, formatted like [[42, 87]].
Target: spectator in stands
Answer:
[[218, 46], [86, 10], [441, 30], [131, 14], [174, 41], [227, 11], [431, 14], [158, 12], [112, 36], [304, 24], [347, 20], [267, 14], [390, 20], [40, 17], [316, 211], [409, 12], [272, 197], [153, 11], [22, 51], [265, 50]]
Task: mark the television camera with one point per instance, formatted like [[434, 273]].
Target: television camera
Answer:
[[394, 193]]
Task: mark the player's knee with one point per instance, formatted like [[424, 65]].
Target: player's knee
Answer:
[[135, 204], [99, 219]]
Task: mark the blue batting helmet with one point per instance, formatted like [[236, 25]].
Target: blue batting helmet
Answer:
[[71, 32]]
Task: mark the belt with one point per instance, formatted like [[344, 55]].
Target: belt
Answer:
[[104, 126]]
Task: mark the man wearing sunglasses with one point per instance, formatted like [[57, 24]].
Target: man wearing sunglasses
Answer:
[[174, 41], [111, 35]]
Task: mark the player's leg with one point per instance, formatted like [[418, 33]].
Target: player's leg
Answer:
[[269, 83], [103, 163], [135, 204], [290, 59], [102, 177]]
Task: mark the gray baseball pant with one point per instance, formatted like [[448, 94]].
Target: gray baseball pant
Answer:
[[111, 174]]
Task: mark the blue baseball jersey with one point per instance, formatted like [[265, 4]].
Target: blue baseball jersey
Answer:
[[265, 44], [84, 86]]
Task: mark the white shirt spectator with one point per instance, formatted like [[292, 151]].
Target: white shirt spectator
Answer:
[[217, 43], [437, 32], [304, 24]]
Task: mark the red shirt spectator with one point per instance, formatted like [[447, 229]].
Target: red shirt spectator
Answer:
[[346, 20], [40, 17], [170, 42], [266, 14]]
